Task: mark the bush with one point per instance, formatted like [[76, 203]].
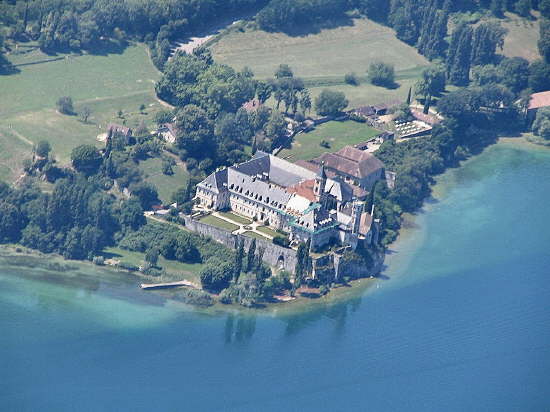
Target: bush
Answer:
[[193, 297], [167, 167], [325, 144], [403, 113], [357, 118], [43, 148], [351, 78], [382, 74], [128, 266], [164, 116], [541, 126], [86, 159], [65, 105], [98, 260]]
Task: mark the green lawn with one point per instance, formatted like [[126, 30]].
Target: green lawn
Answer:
[[255, 235], [216, 221], [331, 52], [239, 219], [268, 231], [338, 134], [522, 37], [175, 269], [117, 79], [166, 185]]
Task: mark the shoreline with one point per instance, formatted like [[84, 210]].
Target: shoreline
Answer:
[[403, 247]]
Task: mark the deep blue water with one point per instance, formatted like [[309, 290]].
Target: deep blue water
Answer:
[[462, 323]]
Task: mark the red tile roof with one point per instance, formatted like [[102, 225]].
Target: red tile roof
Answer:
[[539, 100], [365, 223], [426, 118], [304, 189], [252, 105], [117, 128]]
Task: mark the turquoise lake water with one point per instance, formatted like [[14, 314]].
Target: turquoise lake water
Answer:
[[461, 323]]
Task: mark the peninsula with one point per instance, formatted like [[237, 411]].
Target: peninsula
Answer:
[[237, 173]]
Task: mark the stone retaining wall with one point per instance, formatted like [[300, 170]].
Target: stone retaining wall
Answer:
[[278, 256], [274, 255]]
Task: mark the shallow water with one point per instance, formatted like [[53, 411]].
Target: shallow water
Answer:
[[462, 323]]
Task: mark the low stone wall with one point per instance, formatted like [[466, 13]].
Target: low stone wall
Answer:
[[274, 255]]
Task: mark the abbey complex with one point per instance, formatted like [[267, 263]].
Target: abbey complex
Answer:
[[321, 201]]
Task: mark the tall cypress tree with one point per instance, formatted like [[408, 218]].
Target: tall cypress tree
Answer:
[[458, 61], [239, 256], [250, 256]]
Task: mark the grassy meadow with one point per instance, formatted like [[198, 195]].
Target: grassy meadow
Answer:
[[522, 37], [322, 59], [338, 134], [176, 270], [166, 185], [117, 79]]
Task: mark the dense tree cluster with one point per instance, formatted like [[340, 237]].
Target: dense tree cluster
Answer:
[[76, 220], [196, 79], [473, 117], [541, 126], [212, 125], [81, 24], [330, 102], [471, 46], [287, 15]]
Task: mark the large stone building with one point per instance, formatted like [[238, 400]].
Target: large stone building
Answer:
[[304, 203], [358, 168]]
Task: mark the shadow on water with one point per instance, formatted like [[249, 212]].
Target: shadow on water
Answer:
[[239, 328], [336, 312]]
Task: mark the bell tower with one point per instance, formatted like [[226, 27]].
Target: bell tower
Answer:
[[320, 182], [357, 210]]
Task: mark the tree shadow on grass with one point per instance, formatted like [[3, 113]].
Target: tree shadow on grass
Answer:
[[106, 47], [389, 86], [7, 68], [301, 30]]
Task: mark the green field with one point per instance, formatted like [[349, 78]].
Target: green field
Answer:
[[117, 79], [324, 58], [166, 185], [216, 221], [332, 52], [12, 151], [338, 134]]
